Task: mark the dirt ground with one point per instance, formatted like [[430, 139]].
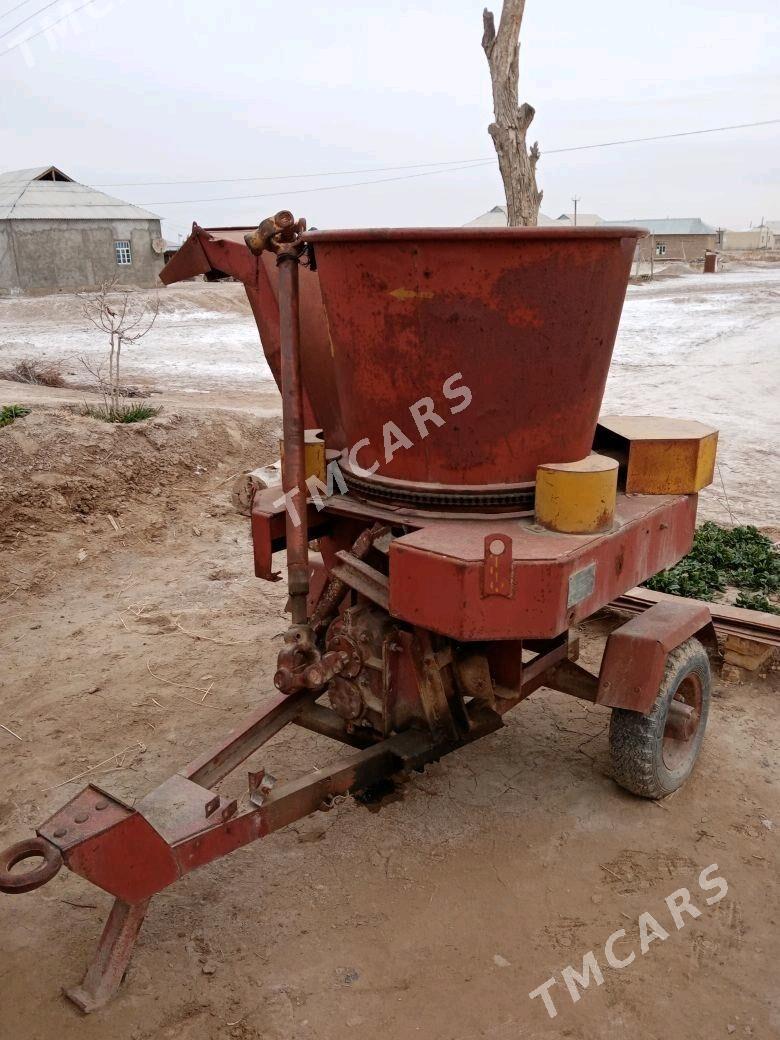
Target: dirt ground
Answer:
[[126, 593], [435, 916]]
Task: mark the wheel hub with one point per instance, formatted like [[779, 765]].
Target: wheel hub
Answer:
[[682, 722]]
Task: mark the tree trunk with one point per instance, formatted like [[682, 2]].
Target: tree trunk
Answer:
[[116, 372], [516, 162]]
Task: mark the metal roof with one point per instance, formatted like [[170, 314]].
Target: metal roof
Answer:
[[583, 219], [496, 217], [33, 195], [668, 226]]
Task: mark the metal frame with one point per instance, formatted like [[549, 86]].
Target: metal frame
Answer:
[[135, 853]]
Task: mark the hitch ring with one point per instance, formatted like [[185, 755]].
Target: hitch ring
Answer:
[[16, 882]]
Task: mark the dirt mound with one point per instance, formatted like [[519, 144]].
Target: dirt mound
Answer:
[[190, 297], [57, 467], [224, 298]]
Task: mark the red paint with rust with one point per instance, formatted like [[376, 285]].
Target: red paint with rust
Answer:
[[114, 847], [437, 573], [635, 656], [224, 249], [528, 316]]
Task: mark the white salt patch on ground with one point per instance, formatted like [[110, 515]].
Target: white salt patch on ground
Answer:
[[194, 345], [707, 347], [212, 351]]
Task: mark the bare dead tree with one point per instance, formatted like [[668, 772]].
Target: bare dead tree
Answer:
[[125, 320], [515, 160]]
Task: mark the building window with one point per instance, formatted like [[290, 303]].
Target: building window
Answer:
[[660, 249], [124, 254]]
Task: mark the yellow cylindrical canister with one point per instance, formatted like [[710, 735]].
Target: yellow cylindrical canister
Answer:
[[315, 454], [577, 497]]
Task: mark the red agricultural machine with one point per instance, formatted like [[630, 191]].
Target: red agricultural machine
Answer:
[[452, 506]]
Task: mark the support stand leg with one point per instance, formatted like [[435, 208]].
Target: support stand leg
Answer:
[[109, 964]]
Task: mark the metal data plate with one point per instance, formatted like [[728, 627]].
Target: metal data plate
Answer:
[[581, 585]]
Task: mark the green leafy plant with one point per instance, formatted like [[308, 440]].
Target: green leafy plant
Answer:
[[755, 601], [120, 413], [9, 412], [741, 557]]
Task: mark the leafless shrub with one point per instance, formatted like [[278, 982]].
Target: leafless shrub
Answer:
[[125, 320], [34, 372]]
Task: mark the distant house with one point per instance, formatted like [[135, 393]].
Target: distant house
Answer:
[[169, 249], [674, 238], [56, 234], [583, 220], [496, 217], [761, 237]]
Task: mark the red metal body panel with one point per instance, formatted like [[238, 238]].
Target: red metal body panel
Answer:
[[436, 573], [224, 249], [635, 657], [528, 316], [188, 261], [114, 847], [269, 533]]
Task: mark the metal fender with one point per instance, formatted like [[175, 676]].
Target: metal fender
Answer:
[[635, 656]]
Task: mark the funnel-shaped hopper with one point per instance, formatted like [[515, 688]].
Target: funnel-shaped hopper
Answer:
[[527, 316], [223, 250]]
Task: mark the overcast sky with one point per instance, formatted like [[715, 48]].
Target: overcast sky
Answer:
[[142, 90]]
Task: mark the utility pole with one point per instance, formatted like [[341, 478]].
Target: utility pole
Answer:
[[575, 199]]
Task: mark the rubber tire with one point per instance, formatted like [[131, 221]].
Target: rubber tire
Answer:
[[636, 741]]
